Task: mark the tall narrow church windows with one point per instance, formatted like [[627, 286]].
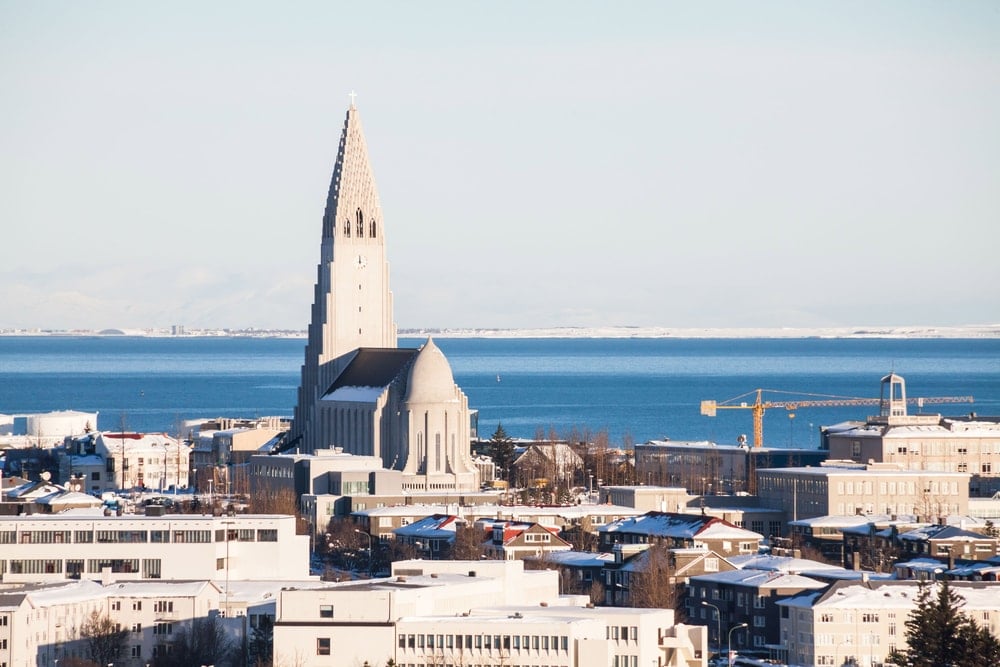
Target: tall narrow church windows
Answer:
[[371, 228], [361, 224], [347, 228]]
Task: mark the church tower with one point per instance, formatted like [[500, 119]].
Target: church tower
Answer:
[[352, 304]]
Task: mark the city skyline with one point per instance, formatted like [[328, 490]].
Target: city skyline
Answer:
[[563, 165]]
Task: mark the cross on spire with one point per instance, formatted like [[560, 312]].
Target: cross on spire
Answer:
[[352, 95]]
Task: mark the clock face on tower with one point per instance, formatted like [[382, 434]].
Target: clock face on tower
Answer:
[[361, 262]]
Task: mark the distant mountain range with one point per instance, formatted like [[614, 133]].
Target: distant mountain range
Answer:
[[969, 331]]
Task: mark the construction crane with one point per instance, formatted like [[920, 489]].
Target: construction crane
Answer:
[[758, 407]]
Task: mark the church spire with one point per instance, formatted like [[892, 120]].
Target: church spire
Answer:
[[352, 304], [352, 200]]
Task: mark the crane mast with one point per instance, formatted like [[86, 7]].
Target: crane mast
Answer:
[[760, 405]]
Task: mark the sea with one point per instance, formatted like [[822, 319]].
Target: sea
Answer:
[[633, 390]]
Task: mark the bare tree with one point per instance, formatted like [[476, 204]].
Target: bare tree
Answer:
[[655, 585], [203, 643], [468, 543], [104, 639]]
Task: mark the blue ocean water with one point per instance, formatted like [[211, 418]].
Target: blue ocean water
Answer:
[[634, 389]]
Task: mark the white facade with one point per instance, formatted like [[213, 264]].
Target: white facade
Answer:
[[359, 391], [112, 461], [45, 619], [174, 546], [866, 621], [473, 612], [843, 489]]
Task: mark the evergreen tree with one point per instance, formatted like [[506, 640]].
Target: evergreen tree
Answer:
[[502, 451], [262, 642], [938, 634]]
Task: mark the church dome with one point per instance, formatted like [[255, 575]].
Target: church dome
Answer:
[[430, 380]]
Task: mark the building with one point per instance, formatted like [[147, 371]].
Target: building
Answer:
[[680, 531], [843, 488], [47, 547], [359, 391], [473, 612], [706, 468], [380, 520], [113, 461], [724, 600], [45, 429], [552, 465], [432, 536], [862, 622], [517, 540], [46, 618], [928, 442]]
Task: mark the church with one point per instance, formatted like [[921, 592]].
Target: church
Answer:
[[360, 393]]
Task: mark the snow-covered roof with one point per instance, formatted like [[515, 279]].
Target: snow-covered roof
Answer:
[[436, 526], [839, 521], [761, 580], [576, 558], [903, 595], [684, 526], [939, 532], [71, 498], [355, 394], [778, 563]]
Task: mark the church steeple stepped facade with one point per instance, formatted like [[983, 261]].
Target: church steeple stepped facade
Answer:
[[352, 303]]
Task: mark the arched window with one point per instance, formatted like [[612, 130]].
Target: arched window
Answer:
[[371, 227], [361, 224], [347, 227]]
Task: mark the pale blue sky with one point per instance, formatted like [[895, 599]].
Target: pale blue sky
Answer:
[[700, 164]]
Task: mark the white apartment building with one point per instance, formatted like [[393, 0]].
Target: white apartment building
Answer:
[[865, 621], [112, 461], [45, 547], [843, 488], [473, 613], [40, 623]]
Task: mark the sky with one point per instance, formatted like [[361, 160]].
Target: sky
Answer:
[[539, 164]]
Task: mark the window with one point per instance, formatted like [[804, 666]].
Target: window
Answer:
[[136, 605], [322, 646], [137, 627], [161, 606], [136, 651], [267, 535], [163, 629], [326, 611]]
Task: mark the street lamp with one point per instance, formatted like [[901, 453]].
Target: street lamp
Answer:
[[718, 618], [729, 642], [370, 554]]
